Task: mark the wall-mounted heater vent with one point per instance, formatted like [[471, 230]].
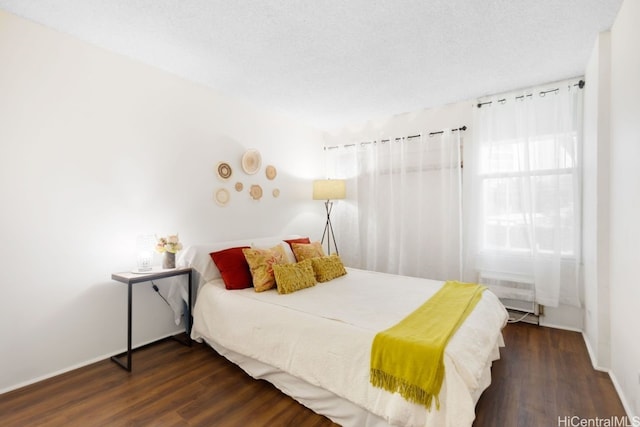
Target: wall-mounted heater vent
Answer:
[[516, 293]]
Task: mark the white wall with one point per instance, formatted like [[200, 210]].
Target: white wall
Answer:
[[97, 149], [595, 224], [421, 121], [625, 203]]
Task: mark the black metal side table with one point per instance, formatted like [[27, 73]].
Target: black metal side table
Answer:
[[132, 278]]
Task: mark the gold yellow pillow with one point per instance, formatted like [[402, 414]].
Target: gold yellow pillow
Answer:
[[328, 268], [293, 277], [304, 251], [261, 262]]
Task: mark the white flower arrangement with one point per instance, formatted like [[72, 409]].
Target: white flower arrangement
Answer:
[[169, 244]]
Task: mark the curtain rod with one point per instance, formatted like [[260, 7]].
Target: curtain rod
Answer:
[[462, 128], [580, 84]]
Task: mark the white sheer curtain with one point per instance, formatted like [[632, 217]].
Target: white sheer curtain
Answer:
[[522, 191], [403, 209]]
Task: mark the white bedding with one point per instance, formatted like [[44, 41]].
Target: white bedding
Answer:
[[323, 336]]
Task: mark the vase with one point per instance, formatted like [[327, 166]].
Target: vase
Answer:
[[169, 260]]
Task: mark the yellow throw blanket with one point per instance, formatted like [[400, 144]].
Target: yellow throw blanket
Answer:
[[408, 358]]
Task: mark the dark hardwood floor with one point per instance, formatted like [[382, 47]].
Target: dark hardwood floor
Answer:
[[543, 374]]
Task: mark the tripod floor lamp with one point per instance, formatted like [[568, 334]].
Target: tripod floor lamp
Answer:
[[328, 190]]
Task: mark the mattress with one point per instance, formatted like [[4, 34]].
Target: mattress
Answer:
[[315, 345]]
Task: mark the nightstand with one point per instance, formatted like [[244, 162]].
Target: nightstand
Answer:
[[132, 278]]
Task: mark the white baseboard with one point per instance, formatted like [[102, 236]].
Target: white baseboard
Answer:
[[592, 356], [563, 327], [83, 364], [625, 403]]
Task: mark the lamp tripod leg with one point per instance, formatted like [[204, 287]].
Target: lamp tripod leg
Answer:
[[333, 236], [328, 229]]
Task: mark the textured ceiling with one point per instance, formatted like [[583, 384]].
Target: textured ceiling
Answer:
[[332, 62]]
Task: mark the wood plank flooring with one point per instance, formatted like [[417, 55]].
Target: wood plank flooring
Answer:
[[542, 374]]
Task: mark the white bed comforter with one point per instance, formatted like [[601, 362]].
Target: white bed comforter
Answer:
[[323, 335]]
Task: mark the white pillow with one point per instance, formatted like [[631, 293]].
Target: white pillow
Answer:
[[198, 258]]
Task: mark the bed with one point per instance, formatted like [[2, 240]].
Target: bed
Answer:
[[314, 344]]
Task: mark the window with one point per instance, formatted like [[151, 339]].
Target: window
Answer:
[[523, 189], [527, 195]]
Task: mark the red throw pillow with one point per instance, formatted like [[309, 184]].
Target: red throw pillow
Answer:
[[233, 267]]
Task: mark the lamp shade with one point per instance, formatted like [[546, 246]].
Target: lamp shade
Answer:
[[329, 189]]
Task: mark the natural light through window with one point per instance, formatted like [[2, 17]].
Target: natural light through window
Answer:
[[525, 183]]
